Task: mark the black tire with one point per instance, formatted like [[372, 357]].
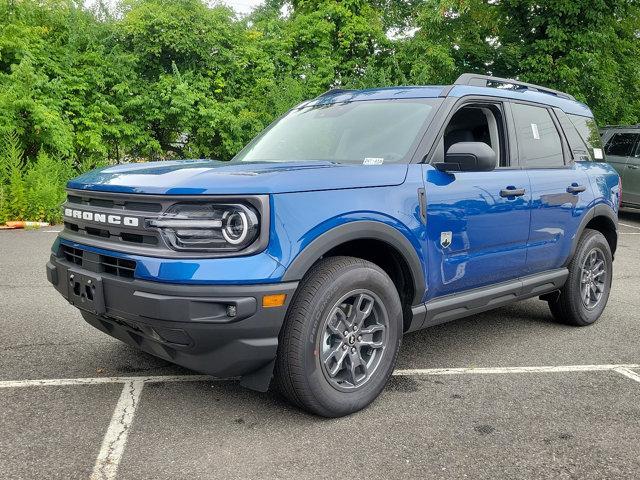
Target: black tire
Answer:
[[570, 306], [299, 372]]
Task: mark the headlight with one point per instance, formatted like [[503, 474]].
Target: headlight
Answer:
[[208, 227]]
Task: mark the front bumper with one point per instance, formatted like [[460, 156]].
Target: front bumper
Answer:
[[188, 325]]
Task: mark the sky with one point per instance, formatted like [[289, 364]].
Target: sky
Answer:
[[242, 6]]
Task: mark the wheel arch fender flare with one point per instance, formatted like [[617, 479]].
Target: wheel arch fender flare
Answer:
[[600, 210], [359, 230]]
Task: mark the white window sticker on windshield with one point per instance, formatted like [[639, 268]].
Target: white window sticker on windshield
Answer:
[[373, 161], [534, 129], [597, 154]]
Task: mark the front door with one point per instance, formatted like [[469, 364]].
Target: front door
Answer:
[[477, 223]]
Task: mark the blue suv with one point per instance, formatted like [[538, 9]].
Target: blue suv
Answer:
[[355, 218]]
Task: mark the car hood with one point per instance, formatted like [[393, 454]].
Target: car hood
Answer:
[[202, 177]]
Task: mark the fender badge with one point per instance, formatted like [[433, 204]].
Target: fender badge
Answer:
[[445, 239]]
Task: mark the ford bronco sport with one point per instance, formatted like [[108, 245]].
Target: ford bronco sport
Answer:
[[355, 218]]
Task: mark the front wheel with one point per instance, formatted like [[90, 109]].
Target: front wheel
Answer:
[[341, 337], [586, 291]]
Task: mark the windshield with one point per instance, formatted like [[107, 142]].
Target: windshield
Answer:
[[369, 132]]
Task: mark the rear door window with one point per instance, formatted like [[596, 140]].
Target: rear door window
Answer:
[[621, 144], [539, 144]]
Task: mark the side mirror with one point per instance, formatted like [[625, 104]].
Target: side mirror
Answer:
[[468, 157]]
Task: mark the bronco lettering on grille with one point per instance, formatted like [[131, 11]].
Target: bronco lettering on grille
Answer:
[[101, 217]]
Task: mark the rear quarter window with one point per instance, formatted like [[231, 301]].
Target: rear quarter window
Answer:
[[590, 136]]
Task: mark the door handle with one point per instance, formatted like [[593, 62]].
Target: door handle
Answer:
[[575, 188], [512, 192]]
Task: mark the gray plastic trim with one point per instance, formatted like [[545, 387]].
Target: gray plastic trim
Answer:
[[459, 305], [359, 230]]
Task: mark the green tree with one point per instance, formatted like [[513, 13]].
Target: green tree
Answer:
[[156, 79], [201, 78], [589, 49], [58, 73], [326, 43]]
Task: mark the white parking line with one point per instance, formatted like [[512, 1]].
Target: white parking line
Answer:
[[56, 382], [629, 233], [630, 226], [628, 373], [401, 372], [115, 439], [507, 370]]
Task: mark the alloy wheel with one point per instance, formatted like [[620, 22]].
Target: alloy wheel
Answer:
[[353, 340], [593, 278]]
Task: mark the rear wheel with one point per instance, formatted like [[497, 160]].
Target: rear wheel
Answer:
[[586, 291], [341, 337]]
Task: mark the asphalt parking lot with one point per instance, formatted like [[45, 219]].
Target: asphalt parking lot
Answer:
[[75, 403]]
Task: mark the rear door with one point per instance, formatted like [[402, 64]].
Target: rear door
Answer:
[[560, 188]]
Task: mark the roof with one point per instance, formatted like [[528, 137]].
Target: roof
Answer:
[[522, 91]]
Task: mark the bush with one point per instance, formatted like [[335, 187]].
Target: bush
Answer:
[[3, 207], [14, 191], [45, 181], [31, 191]]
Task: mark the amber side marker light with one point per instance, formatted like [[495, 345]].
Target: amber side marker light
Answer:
[[276, 300]]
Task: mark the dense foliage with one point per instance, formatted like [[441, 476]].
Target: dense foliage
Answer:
[[153, 79]]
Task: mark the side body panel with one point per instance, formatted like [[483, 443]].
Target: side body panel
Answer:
[[488, 232], [604, 182], [302, 218], [556, 214], [563, 200]]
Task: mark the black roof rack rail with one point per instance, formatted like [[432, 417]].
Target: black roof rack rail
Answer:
[[477, 80], [635, 125]]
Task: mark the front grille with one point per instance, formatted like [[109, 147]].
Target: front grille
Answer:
[[121, 222], [88, 201], [109, 204], [94, 262]]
